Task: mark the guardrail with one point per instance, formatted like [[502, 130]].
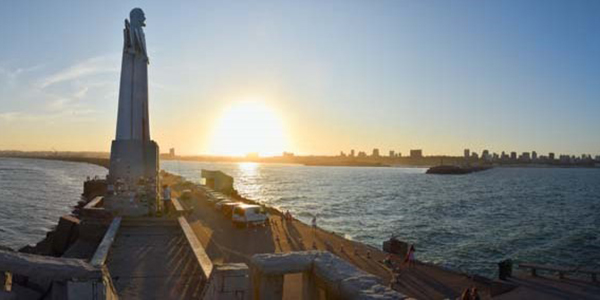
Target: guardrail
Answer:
[[203, 260], [101, 253], [94, 203], [560, 270], [179, 209]]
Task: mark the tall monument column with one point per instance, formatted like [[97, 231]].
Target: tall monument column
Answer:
[[133, 153]]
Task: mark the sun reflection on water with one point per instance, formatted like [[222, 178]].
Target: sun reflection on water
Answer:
[[248, 168]]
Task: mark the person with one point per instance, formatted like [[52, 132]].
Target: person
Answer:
[[410, 257], [314, 222], [475, 294], [466, 295], [166, 198]]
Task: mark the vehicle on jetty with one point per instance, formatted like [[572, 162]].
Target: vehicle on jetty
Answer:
[[455, 170], [246, 215]]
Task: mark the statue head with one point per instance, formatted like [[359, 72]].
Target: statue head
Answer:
[[137, 17]]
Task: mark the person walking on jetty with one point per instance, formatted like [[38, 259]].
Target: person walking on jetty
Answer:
[[166, 199], [410, 257], [314, 223]]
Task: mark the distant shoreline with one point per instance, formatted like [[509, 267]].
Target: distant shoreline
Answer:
[[103, 160]]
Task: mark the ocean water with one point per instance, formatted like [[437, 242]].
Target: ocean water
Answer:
[[35, 193], [468, 223]]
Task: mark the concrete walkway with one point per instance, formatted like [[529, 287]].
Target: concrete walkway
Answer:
[[151, 259], [549, 288]]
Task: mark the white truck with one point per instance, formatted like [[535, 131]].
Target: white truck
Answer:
[[245, 215]]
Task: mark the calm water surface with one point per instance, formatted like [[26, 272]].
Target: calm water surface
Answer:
[[468, 222], [35, 193]]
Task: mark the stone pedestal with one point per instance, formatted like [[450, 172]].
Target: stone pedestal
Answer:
[[132, 159]]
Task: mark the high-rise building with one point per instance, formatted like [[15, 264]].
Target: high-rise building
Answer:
[[375, 152], [417, 153], [467, 153], [352, 153], [392, 153], [513, 155], [551, 156], [525, 156], [172, 152], [534, 155], [485, 155]]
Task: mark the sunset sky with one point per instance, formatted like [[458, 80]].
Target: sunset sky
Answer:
[[310, 77]]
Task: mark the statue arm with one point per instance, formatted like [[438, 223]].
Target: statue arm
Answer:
[[141, 41]]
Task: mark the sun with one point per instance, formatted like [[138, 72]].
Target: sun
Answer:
[[248, 127]]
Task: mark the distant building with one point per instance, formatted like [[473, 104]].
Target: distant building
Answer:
[[598, 158], [342, 154], [474, 156], [551, 156], [513, 155], [252, 155], [467, 153], [288, 154], [375, 152], [504, 156], [418, 153], [392, 153], [362, 154], [399, 154], [352, 153], [525, 157], [495, 156], [485, 155], [172, 152], [534, 155]]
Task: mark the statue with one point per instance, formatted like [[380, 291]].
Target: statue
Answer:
[[135, 40], [133, 153]]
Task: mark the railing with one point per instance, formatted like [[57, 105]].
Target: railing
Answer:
[[179, 209], [203, 260], [560, 270], [101, 253]]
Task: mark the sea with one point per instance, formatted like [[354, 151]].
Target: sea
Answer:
[[467, 223], [35, 193]]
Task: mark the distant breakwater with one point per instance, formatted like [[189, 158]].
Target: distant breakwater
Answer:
[[98, 161]]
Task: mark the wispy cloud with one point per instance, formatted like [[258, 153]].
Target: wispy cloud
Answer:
[[89, 67], [73, 114]]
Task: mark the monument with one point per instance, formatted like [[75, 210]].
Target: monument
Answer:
[[133, 154]]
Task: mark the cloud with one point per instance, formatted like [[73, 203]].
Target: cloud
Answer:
[[89, 67], [72, 114]]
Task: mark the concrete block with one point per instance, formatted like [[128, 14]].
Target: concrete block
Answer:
[[66, 233], [229, 282]]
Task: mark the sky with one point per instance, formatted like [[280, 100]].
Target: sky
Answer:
[[336, 75]]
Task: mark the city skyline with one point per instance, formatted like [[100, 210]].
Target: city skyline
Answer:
[[321, 77]]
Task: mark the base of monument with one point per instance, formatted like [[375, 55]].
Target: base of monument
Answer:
[[132, 159]]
